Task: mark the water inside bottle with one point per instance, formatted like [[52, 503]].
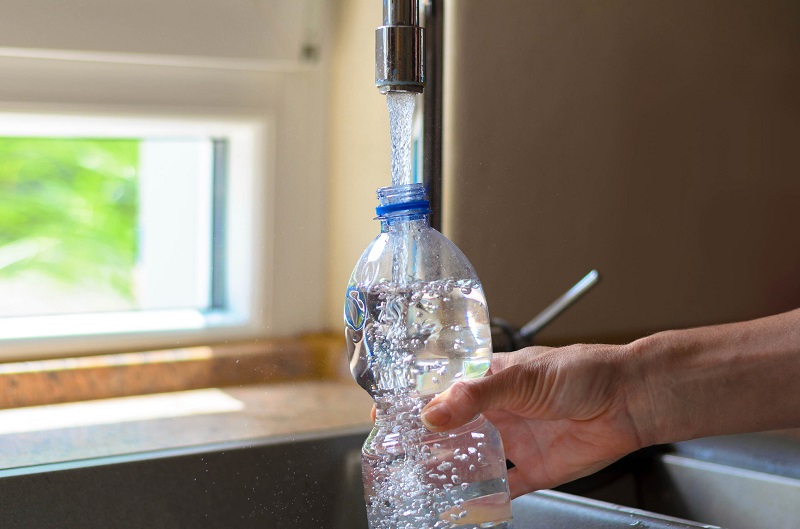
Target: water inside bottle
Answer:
[[410, 341], [415, 479], [417, 338]]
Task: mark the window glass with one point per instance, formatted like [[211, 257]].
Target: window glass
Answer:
[[96, 225]]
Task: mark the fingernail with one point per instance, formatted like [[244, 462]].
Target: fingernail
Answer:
[[436, 416]]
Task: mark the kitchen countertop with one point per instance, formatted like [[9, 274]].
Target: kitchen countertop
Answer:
[[42, 435]]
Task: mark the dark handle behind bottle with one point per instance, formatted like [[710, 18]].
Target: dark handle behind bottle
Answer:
[[516, 339]]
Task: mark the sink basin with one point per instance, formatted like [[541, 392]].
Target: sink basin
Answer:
[[549, 509], [309, 482], [736, 482], [739, 482]]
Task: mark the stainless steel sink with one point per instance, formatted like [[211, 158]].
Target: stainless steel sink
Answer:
[[309, 482], [739, 482], [736, 482], [557, 510], [732, 497]]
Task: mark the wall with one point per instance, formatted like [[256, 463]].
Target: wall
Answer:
[[655, 141], [359, 148]]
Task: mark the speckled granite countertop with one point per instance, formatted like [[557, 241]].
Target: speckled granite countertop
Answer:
[[83, 430]]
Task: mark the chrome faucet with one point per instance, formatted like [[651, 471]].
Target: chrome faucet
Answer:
[[399, 51]]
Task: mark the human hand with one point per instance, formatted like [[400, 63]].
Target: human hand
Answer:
[[563, 413]]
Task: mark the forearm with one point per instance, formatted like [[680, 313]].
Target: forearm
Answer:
[[724, 379]]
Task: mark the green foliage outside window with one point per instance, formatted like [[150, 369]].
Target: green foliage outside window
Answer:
[[68, 211]]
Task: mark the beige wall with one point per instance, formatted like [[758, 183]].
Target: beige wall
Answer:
[[359, 148]]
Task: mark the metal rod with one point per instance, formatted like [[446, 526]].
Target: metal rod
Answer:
[[559, 305], [401, 12]]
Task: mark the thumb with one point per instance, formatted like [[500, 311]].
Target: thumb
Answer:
[[466, 399], [517, 379]]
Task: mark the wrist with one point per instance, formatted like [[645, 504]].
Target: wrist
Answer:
[[647, 368], [716, 380]]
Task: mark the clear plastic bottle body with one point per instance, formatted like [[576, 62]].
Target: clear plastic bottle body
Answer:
[[442, 326], [416, 321], [416, 479]]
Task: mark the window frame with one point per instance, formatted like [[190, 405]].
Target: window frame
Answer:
[[248, 179]]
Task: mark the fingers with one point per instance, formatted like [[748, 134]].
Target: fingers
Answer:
[[505, 388], [461, 403], [373, 413], [439, 413]]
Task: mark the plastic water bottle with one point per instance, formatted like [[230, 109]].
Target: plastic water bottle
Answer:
[[416, 321]]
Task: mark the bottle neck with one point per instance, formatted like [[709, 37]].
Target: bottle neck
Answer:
[[402, 204]]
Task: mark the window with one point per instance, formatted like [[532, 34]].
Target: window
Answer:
[[113, 226], [213, 121]]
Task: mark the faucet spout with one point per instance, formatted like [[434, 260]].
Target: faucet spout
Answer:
[[399, 51]]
